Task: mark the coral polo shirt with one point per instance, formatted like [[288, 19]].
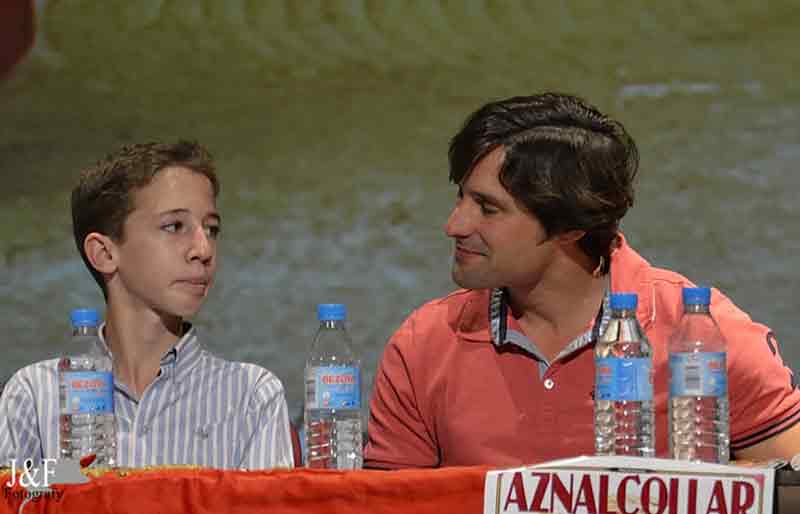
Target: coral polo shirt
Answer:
[[460, 383]]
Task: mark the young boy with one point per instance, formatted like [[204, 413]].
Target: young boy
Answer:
[[146, 225]]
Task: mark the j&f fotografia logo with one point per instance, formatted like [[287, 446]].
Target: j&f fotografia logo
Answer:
[[36, 480], [30, 476]]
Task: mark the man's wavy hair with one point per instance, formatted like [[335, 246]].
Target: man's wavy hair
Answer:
[[567, 163], [104, 195]]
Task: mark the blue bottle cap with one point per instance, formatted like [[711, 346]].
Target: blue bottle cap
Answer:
[[624, 301], [331, 312], [84, 317], [696, 295]]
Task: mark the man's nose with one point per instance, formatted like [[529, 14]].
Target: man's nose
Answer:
[[459, 223]]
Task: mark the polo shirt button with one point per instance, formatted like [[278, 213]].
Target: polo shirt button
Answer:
[[548, 384]]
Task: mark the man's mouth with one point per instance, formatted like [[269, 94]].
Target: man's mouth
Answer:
[[467, 251]]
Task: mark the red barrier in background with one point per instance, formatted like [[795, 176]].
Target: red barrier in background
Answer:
[[16, 32]]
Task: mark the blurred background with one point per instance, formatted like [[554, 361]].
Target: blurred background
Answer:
[[330, 122]]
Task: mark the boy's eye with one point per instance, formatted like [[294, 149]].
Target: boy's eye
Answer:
[[173, 227], [212, 231]]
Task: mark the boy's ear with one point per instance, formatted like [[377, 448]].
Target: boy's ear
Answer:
[[101, 252]]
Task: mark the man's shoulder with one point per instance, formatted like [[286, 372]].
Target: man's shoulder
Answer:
[[664, 288], [450, 308], [456, 298], [442, 319]]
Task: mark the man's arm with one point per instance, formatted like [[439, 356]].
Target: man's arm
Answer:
[[782, 446], [764, 398], [398, 436], [269, 443]]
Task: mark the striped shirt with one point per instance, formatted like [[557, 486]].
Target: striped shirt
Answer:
[[200, 410]]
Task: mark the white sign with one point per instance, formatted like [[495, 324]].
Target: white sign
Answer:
[[629, 485]]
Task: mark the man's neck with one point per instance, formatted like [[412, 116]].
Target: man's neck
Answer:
[[138, 341], [558, 308]]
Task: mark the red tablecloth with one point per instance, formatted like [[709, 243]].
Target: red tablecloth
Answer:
[[437, 491]]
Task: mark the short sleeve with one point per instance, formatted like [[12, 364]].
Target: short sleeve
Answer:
[[764, 399], [398, 436]]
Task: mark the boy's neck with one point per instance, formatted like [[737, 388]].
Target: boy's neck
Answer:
[[137, 344]]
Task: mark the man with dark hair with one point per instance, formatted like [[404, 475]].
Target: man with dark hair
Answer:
[[501, 372], [146, 225]]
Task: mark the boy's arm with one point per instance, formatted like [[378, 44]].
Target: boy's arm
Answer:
[[269, 440], [19, 430]]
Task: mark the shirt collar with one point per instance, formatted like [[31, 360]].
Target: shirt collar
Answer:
[[504, 329], [627, 274], [179, 359]]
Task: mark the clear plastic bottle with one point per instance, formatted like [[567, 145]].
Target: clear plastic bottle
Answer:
[[332, 414], [623, 407], [698, 384], [87, 425]]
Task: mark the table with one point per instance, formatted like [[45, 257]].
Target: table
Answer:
[[181, 489]]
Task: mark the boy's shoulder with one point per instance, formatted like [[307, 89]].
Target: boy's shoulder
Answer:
[[32, 381], [253, 375], [33, 373]]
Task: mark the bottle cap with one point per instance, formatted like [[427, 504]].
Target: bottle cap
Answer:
[[331, 312], [84, 317], [624, 301], [696, 295]]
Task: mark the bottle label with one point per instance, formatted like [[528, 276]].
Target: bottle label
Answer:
[[88, 392], [624, 379], [698, 374], [333, 387]]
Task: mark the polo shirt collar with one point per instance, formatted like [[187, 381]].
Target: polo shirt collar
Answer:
[[626, 275]]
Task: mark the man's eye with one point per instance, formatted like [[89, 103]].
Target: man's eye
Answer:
[[485, 209]]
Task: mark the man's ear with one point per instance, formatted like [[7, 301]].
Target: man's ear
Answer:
[[570, 236], [101, 252]]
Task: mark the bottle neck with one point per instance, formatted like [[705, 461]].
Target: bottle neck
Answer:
[[623, 313], [331, 324], [84, 331], [695, 309]]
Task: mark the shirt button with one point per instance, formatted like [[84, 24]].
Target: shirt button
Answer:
[[145, 429], [548, 384]]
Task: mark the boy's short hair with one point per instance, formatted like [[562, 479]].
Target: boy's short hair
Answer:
[[104, 195]]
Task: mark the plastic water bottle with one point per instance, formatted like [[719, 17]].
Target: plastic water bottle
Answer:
[[86, 393], [332, 417], [698, 384], [623, 407]]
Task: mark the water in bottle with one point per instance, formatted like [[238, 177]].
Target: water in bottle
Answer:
[[698, 385], [332, 415], [86, 394], [623, 407]]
